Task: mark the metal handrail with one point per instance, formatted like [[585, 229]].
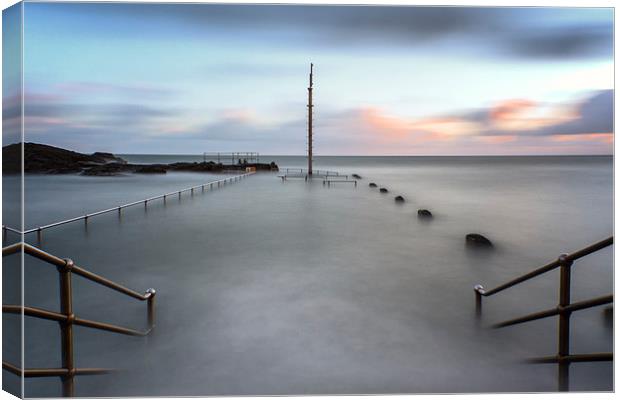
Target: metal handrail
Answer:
[[67, 318], [564, 309], [134, 203], [61, 263], [314, 171], [546, 268]]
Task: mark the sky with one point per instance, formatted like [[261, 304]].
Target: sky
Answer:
[[194, 78]]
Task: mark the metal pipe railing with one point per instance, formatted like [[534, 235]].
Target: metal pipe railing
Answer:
[[47, 372], [546, 268], [85, 217], [67, 319], [580, 305], [563, 310], [314, 171]]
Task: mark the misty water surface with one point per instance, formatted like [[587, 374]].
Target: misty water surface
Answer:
[[265, 287]]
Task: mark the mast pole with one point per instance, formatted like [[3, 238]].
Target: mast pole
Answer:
[[310, 106]]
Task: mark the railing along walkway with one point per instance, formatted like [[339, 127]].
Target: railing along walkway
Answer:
[[564, 310], [85, 217], [67, 319], [301, 173]]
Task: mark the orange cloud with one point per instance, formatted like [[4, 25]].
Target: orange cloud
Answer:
[[496, 139], [585, 137], [447, 128], [387, 125], [510, 109]]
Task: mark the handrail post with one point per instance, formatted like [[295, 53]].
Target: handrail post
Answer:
[[66, 328], [151, 307], [478, 290], [564, 323]]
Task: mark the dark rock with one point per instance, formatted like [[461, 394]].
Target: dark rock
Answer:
[[383, 190], [399, 199], [151, 169], [356, 176], [44, 159], [198, 166], [372, 184], [477, 240], [108, 157], [110, 169], [422, 213]]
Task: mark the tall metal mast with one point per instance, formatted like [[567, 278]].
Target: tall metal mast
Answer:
[[310, 123]]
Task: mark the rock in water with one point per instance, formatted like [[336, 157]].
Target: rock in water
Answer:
[[399, 199], [477, 240], [356, 176], [151, 169], [383, 190], [372, 184], [422, 213]]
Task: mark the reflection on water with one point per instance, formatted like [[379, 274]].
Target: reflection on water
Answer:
[[267, 287]]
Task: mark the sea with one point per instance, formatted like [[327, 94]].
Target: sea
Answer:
[[272, 287]]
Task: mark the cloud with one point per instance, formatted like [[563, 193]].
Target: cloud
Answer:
[[513, 126], [96, 88], [565, 43], [528, 33], [594, 115]]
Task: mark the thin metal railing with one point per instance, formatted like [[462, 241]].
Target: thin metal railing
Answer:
[[67, 318], [300, 171], [118, 209], [564, 309]]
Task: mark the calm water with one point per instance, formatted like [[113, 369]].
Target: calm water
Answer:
[[266, 287]]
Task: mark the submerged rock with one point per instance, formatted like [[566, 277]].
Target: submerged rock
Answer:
[[372, 184], [423, 213], [477, 240], [399, 199], [356, 176], [383, 190]]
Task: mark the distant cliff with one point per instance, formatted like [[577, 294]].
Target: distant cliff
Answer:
[[44, 159]]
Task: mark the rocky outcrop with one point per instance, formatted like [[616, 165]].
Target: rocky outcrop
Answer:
[[151, 169], [110, 169], [108, 157], [372, 184], [356, 176], [44, 159], [399, 199], [383, 190], [425, 214], [477, 240]]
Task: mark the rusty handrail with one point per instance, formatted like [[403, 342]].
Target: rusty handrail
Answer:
[[59, 262], [580, 305], [563, 310], [54, 316], [67, 318], [546, 268], [85, 217], [47, 372]]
